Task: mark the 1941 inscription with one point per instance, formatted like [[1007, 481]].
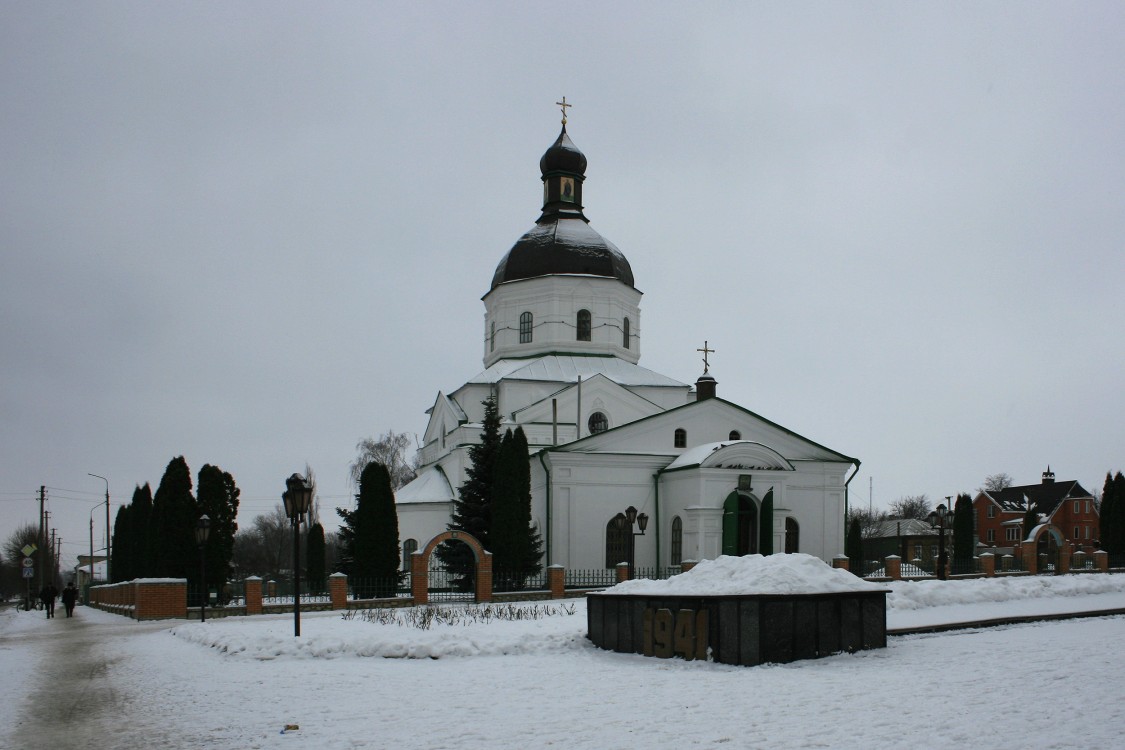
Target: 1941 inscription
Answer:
[[668, 634]]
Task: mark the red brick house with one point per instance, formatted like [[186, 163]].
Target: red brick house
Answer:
[[998, 514]]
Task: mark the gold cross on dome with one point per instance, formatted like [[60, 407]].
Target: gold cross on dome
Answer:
[[564, 105], [705, 351]]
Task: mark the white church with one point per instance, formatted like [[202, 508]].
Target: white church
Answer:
[[562, 343]]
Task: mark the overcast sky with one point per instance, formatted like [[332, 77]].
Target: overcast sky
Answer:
[[252, 234]]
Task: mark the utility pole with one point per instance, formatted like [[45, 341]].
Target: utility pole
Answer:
[[42, 544], [108, 578]]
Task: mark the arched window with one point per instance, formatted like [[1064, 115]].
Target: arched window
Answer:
[[792, 535], [409, 547], [525, 328], [616, 550], [679, 438], [677, 541], [625, 333], [492, 338], [583, 325], [735, 435], [597, 423]]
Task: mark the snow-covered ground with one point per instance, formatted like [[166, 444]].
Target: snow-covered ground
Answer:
[[236, 682]]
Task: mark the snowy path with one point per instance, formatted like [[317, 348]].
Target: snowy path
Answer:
[[233, 684]]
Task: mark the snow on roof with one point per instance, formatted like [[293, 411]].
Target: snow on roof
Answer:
[[743, 454], [795, 573], [568, 368], [431, 486]]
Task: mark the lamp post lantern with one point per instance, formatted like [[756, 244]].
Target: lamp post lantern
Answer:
[[937, 519], [202, 531], [297, 497], [625, 521]]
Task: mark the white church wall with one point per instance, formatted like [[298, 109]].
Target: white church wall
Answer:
[[422, 521]]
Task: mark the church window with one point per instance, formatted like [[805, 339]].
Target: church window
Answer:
[[615, 544], [409, 547], [625, 333], [525, 328], [792, 535], [679, 438], [492, 338], [583, 325], [677, 541], [597, 423], [735, 435]]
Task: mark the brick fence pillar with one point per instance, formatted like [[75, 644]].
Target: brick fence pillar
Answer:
[[622, 571], [271, 589], [419, 579], [1030, 559], [988, 565], [556, 581], [252, 591], [1062, 563], [892, 566], [1101, 560], [484, 578], [841, 562], [338, 590], [686, 565]]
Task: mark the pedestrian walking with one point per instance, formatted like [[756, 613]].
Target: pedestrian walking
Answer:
[[69, 597], [47, 595]]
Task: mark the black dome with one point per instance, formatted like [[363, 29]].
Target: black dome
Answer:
[[563, 246], [563, 156]]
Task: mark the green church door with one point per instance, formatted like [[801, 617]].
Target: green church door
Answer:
[[740, 525]]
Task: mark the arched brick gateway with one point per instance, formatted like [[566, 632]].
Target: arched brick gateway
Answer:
[[420, 567]]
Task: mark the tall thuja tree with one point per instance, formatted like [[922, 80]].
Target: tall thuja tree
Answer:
[[217, 498], [1030, 518], [516, 546], [370, 535], [124, 540], [853, 546], [472, 510], [172, 528], [1112, 514], [964, 542], [315, 556]]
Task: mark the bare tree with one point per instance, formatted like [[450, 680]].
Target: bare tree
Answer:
[[266, 548], [996, 482], [870, 521], [911, 506], [389, 449]]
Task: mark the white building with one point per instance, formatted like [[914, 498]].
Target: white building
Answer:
[[562, 342]]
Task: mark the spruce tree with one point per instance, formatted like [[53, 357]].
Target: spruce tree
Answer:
[[370, 535], [472, 510], [141, 544], [964, 543], [172, 528], [315, 555], [516, 547], [1106, 512], [217, 496], [121, 556], [853, 547], [1030, 519]]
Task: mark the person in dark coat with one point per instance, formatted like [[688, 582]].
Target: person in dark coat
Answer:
[[47, 595], [69, 597]]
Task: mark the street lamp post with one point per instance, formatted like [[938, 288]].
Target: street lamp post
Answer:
[[202, 531], [625, 521], [938, 520], [108, 577], [297, 498]]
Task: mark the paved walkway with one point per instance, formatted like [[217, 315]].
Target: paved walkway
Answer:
[[70, 697]]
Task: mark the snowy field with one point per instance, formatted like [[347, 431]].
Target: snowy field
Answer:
[[236, 682]]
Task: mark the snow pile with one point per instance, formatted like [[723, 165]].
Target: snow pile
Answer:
[[912, 595], [752, 574]]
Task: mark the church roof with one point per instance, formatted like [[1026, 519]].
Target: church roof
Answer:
[[562, 241], [567, 368], [731, 454], [430, 486]]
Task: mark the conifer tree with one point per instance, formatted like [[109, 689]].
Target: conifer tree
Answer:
[[315, 554], [370, 535], [217, 496], [964, 543], [121, 556], [516, 547], [172, 528], [1030, 519], [472, 510], [1112, 519], [141, 543], [853, 547]]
